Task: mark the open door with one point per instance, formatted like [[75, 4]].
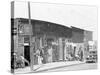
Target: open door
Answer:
[[26, 49], [27, 54]]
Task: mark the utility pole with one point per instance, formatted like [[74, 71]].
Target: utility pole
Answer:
[[29, 13], [30, 36]]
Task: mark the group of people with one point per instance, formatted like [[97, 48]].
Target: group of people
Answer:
[[75, 54], [79, 54], [44, 55]]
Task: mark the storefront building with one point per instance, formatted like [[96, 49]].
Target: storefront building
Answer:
[[50, 37], [57, 42]]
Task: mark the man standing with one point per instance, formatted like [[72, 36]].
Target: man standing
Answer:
[[38, 56], [49, 54]]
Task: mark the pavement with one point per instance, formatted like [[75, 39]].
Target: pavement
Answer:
[[78, 67], [47, 67]]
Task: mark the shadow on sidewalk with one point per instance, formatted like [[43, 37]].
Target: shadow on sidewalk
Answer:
[[39, 67], [54, 68]]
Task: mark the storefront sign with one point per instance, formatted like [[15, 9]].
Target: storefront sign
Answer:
[[27, 29]]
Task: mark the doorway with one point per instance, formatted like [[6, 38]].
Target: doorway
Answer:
[[27, 54]]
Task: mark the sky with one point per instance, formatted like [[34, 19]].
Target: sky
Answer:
[[81, 16]]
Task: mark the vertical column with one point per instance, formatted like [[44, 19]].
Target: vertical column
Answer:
[[60, 49], [40, 42], [31, 53], [31, 50], [65, 49]]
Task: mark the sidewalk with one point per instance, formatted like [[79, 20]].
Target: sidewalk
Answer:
[[49, 66]]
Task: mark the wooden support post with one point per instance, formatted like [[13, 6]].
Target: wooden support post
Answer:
[[31, 48], [31, 55]]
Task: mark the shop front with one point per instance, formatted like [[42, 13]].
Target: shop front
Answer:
[[41, 43]]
